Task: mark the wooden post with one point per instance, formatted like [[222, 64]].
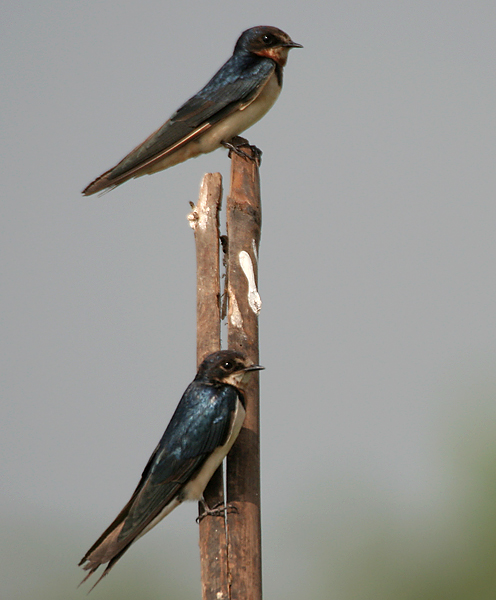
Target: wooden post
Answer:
[[204, 220], [244, 223]]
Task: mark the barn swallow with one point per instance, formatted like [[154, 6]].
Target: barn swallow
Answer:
[[201, 432], [236, 97]]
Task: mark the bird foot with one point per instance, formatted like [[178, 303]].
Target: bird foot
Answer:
[[239, 142], [219, 510]]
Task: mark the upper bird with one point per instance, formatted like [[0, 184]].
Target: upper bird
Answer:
[[201, 432], [236, 97]]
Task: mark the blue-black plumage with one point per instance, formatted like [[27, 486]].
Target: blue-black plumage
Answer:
[[201, 432], [236, 97]]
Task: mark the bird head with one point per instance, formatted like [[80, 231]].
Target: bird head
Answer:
[[226, 366], [266, 41]]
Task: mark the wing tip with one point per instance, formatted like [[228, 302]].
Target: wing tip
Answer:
[[92, 569], [99, 184]]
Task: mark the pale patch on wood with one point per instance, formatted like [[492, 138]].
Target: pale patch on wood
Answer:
[[198, 217], [235, 314], [254, 248], [254, 300]]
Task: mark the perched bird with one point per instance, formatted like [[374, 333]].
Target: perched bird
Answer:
[[236, 97], [201, 432]]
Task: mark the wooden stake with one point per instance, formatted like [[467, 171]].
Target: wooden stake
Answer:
[[204, 220], [244, 223]]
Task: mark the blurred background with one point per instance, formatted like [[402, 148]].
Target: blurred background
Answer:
[[376, 273]]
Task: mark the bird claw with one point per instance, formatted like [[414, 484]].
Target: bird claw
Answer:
[[219, 510], [239, 142]]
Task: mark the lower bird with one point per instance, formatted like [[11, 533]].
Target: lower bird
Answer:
[[236, 97], [201, 432]]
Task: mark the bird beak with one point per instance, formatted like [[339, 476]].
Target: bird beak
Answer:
[[243, 375], [253, 368], [292, 45]]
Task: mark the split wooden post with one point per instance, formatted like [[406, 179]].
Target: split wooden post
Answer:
[[231, 567]]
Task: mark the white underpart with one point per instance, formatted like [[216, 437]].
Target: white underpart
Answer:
[[254, 300]]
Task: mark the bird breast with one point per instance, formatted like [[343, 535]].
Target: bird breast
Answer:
[[242, 118], [193, 490]]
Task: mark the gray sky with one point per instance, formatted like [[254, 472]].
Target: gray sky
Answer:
[[376, 269]]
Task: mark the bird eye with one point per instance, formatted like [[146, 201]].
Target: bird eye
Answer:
[[228, 365], [268, 38]]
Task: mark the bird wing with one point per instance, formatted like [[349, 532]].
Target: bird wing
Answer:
[[222, 96], [176, 461], [195, 430]]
